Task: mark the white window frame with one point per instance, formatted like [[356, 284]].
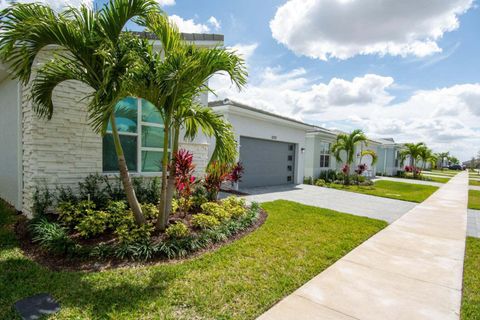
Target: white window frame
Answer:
[[138, 134], [324, 154]]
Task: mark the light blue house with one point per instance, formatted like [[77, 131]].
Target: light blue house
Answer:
[[388, 152]]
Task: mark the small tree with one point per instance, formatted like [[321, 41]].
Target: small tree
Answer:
[[413, 151]]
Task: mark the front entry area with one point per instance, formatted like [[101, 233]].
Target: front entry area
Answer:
[[266, 162]]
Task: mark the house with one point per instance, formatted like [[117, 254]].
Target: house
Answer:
[[388, 162], [272, 148], [64, 150]]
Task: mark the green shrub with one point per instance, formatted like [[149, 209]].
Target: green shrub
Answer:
[[147, 190], [216, 210], [361, 179], [367, 183], [94, 188], [328, 175], [65, 194], [129, 232], [203, 221], [308, 180], [150, 211], [66, 212], [320, 183], [199, 197], [92, 223], [117, 213], [235, 206], [42, 200], [51, 236], [177, 230]]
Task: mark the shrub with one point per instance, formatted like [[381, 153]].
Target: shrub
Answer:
[[94, 189], [401, 174], [320, 183], [214, 209], [128, 232], [366, 183], [147, 190], [361, 179], [42, 200], [236, 174], [216, 174], [150, 211], [177, 230], [328, 175], [308, 180], [117, 213], [199, 197], [92, 223], [114, 189], [51, 236], [235, 206], [65, 194], [66, 212], [203, 221]]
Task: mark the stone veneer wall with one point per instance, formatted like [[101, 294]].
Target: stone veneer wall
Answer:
[[64, 150]]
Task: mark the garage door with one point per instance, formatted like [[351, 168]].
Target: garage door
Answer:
[[266, 163]]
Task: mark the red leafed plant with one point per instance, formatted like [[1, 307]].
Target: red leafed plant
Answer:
[[184, 168], [361, 168], [237, 173], [216, 174]]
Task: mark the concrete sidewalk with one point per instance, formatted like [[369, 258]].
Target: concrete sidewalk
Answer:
[[410, 270]]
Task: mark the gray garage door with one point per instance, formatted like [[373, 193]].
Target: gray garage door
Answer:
[[266, 163]]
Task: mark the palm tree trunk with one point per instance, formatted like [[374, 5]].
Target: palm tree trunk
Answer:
[[125, 177], [171, 176], [161, 220]]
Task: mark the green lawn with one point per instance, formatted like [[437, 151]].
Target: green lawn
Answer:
[[471, 281], [395, 190], [474, 199], [445, 172], [438, 179], [474, 182], [238, 281]]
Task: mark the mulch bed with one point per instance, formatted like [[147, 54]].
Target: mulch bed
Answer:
[[62, 263]]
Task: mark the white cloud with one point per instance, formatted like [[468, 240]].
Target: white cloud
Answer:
[[214, 23], [446, 118], [164, 3], [189, 25], [55, 4], [345, 28]]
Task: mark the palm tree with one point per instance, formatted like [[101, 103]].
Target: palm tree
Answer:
[[427, 156], [413, 151], [172, 80], [346, 144], [442, 156], [92, 50]]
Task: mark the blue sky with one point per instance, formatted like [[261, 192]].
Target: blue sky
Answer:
[[404, 69]]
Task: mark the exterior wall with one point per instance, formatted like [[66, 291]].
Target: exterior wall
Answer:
[[64, 150], [312, 157], [10, 150], [249, 125]]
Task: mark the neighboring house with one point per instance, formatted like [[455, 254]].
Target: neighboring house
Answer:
[[389, 162], [272, 148], [318, 156], [64, 150]]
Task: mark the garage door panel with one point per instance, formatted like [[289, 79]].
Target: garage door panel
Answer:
[[266, 162]]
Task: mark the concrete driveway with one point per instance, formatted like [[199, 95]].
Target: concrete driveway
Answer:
[[349, 202]]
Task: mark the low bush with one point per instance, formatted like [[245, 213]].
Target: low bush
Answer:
[[150, 211], [92, 223], [328, 175], [216, 210], [128, 232], [42, 200], [93, 188], [178, 230], [199, 197], [235, 206], [320, 183], [51, 236], [65, 194], [308, 180], [117, 213], [203, 221]]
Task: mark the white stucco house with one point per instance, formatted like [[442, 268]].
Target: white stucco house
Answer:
[[272, 148], [389, 162], [64, 150]]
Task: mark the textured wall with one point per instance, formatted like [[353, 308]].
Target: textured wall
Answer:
[[64, 150]]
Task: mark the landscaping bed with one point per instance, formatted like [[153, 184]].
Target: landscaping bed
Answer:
[[471, 281], [238, 281]]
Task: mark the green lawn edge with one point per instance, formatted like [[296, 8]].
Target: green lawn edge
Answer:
[[393, 190], [471, 281], [238, 281], [474, 199]]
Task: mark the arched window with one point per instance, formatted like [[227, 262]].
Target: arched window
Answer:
[[140, 127]]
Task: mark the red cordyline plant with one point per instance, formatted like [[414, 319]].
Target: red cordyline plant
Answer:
[[184, 168], [216, 174], [346, 169], [361, 168], [237, 173], [412, 169], [346, 174]]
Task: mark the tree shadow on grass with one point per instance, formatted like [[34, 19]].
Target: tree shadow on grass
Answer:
[[93, 294]]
